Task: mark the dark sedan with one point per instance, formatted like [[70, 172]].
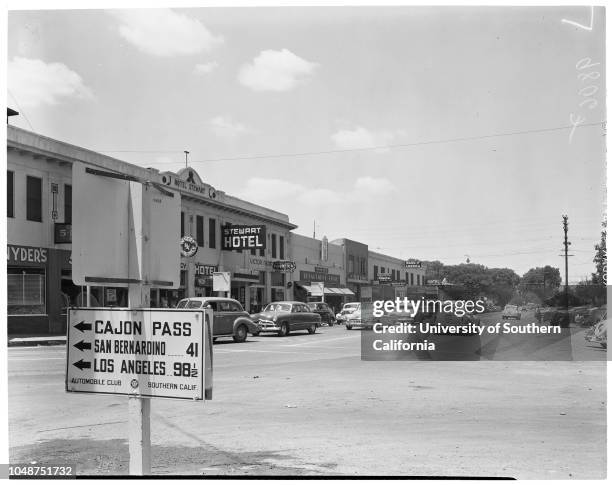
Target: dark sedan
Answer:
[[283, 317], [326, 313]]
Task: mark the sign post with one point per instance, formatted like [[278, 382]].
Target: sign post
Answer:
[[120, 228]]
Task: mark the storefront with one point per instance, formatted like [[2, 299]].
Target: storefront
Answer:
[[39, 290]]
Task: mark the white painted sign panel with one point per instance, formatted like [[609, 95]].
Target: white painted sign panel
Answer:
[[114, 217], [221, 281], [140, 352]]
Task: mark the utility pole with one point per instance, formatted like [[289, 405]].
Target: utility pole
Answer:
[[314, 230], [566, 245], [186, 153]]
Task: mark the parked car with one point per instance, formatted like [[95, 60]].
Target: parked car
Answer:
[[346, 309], [323, 309], [229, 318], [284, 317], [353, 318], [511, 311]]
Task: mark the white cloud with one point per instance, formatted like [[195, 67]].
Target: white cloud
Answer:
[[275, 71], [279, 193], [361, 137], [34, 82], [373, 185], [163, 32], [205, 68], [225, 127]]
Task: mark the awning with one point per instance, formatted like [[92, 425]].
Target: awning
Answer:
[[345, 291], [313, 290]]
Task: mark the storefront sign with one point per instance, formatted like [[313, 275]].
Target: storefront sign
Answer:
[[383, 277], [26, 255], [205, 269], [202, 282], [243, 237], [329, 279], [413, 263], [153, 353], [63, 233], [189, 246], [247, 276], [321, 269], [284, 266]]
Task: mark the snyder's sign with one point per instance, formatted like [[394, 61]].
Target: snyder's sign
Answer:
[[243, 237], [140, 352]]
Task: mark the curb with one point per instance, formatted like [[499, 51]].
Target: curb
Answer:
[[36, 341]]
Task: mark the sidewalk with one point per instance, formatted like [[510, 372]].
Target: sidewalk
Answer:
[[35, 341]]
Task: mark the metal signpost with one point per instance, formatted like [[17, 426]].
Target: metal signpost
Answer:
[[126, 233]]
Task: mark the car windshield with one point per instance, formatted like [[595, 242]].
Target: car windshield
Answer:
[[350, 306], [181, 304], [278, 307], [194, 304]]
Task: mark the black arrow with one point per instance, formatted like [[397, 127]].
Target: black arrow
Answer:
[[81, 364], [82, 345], [82, 326]]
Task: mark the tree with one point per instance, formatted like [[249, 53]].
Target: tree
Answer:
[[601, 268], [542, 281]]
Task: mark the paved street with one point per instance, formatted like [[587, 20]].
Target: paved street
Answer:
[[306, 404]]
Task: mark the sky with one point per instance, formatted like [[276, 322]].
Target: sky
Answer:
[[436, 133]]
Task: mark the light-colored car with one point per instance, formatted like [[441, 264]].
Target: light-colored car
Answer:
[[229, 318], [353, 318], [511, 311], [346, 309], [283, 317]]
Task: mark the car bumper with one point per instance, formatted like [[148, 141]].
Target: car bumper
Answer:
[[265, 326]]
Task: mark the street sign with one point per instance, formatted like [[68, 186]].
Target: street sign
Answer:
[[140, 352]]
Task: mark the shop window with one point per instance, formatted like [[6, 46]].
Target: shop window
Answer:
[[34, 199], [25, 291], [182, 224], [10, 194], [200, 230], [281, 247], [212, 233], [278, 294], [277, 279], [274, 245], [68, 204]]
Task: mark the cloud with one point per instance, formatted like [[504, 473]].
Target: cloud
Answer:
[[225, 127], [361, 137], [34, 82], [163, 32], [278, 192], [373, 185], [205, 68], [275, 71]]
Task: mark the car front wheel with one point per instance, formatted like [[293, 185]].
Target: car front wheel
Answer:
[[241, 334], [312, 329], [349, 327], [284, 330]]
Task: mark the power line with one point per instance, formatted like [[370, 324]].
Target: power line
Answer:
[[21, 110], [350, 150]]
